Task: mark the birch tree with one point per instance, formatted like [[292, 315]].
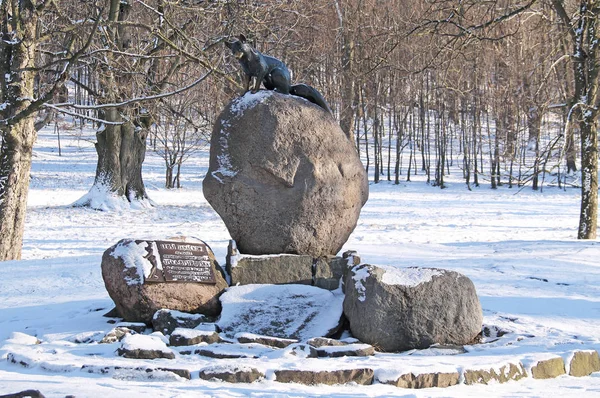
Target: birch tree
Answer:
[[580, 22]]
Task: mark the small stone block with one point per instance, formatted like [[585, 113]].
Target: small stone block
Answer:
[[350, 350], [301, 351], [247, 338], [548, 369], [231, 256], [144, 354], [137, 327], [342, 376], [584, 363], [115, 335], [329, 270], [507, 372], [234, 375], [271, 269], [318, 342], [183, 373], [185, 337], [166, 321], [427, 380]]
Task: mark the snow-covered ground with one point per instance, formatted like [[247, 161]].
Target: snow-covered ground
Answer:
[[534, 279]]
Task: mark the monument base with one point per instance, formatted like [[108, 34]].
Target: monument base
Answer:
[[324, 272]]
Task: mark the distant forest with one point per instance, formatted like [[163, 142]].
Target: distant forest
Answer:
[[507, 90], [420, 86]]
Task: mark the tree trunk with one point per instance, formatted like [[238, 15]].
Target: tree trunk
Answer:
[[349, 90], [15, 165], [17, 51], [588, 217], [570, 150], [121, 150], [584, 35], [348, 105], [534, 128]]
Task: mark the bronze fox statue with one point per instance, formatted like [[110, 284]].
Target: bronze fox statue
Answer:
[[271, 72]]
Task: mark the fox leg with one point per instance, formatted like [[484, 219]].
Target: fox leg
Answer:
[[246, 82], [257, 83]]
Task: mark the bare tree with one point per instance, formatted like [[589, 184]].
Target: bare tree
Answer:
[[182, 129], [23, 35], [141, 51]]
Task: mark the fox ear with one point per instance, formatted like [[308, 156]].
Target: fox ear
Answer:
[[242, 38], [228, 44]]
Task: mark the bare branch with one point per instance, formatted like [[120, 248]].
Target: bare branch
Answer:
[[133, 100]]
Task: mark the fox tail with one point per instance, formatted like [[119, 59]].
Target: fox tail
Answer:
[[310, 93]]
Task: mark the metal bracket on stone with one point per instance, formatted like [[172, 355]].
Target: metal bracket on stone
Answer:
[[324, 272]]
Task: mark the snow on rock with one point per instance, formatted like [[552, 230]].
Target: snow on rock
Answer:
[[160, 336], [133, 256], [232, 351], [277, 342], [144, 342], [239, 105], [191, 333], [165, 320], [285, 311], [231, 373], [412, 276], [348, 350], [359, 276], [299, 350], [225, 168], [184, 337], [22, 338], [139, 346]]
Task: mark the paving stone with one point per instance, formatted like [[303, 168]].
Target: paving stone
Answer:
[[504, 374], [426, 380], [311, 377], [548, 369], [231, 374], [584, 363]]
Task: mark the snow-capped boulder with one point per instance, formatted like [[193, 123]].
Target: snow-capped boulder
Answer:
[[231, 373], [397, 309], [283, 176], [125, 268], [139, 346], [184, 336], [286, 311]]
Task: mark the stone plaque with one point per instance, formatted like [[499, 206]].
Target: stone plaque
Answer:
[[175, 261]]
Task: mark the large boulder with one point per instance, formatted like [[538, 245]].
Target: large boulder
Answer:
[[283, 176], [125, 270], [397, 309]]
